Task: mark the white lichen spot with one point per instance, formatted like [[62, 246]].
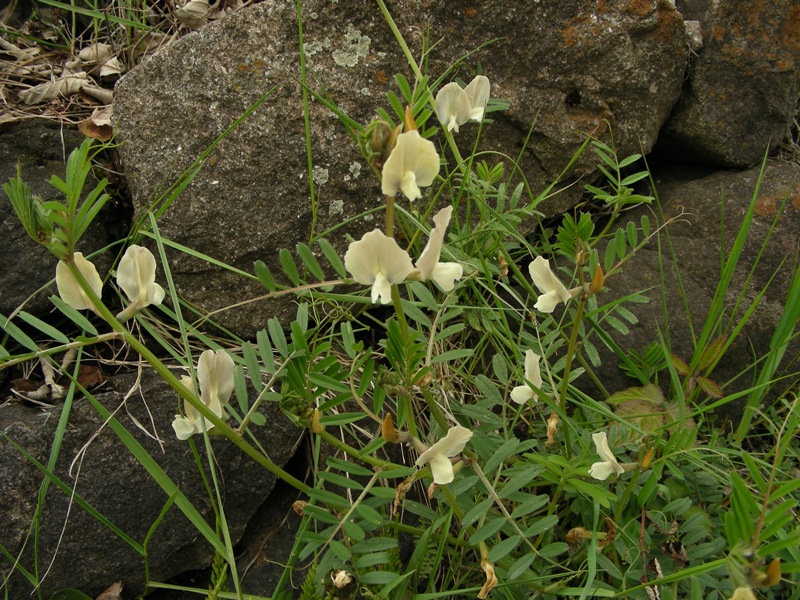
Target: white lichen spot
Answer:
[[312, 48], [365, 92], [336, 207], [356, 47], [355, 169], [320, 175]]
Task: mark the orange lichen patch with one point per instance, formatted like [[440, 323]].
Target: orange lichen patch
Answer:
[[602, 6], [768, 205], [570, 35], [640, 8], [669, 22], [718, 32], [471, 12], [790, 32], [381, 77]]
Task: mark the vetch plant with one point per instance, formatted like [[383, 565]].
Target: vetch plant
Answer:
[[444, 274], [455, 106], [136, 276], [440, 454], [70, 290], [215, 379], [523, 393], [377, 260], [413, 163]]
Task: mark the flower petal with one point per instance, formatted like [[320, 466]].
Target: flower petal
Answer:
[[446, 274], [601, 470], [68, 287], [441, 470], [136, 275], [184, 427], [215, 378], [452, 106], [381, 289], [430, 255], [522, 394], [478, 92], [532, 371], [411, 154], [553, 291]]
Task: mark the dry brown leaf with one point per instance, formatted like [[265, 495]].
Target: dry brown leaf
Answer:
[[193, 14], [112, 67], [96, 53], [17, 52], [112, 592], [103, 95], [66, 85]]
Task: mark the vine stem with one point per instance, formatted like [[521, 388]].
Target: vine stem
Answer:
[[176, 385], [562, 399]]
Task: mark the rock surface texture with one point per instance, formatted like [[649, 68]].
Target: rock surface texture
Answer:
[[567, 69], [712, 202], [742, 87], [40, 149], [100, 469], [711, 82]]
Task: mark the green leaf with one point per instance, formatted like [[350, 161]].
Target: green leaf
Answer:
[[333, 257], [265, 351], [505, 547], [73, 315], [521, 565], [289, 266], [451, 355], [264, 275], [378, 577], [278, 337], [554, 549], [487, 530], [542, 525], [476, 512], [310, 261], [253, 367], [17, 334], [46, 329]]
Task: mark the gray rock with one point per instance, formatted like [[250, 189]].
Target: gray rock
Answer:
[[41, 148], [567, 68], [742, 90], [89, 556], [703, 194]]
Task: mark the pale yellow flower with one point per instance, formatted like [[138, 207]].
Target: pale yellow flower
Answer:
[[444, 274], [553, 291], [438, 456], [377, 260], [456, 106], [609, 465], [136, 276], [523, 393], [215, 379], [68, 287], [413, 163]]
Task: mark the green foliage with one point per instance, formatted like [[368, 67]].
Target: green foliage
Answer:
[[60, 225], [687, 508]]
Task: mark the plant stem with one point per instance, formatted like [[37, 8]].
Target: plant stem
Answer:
[[562, 398], [179, 388]]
